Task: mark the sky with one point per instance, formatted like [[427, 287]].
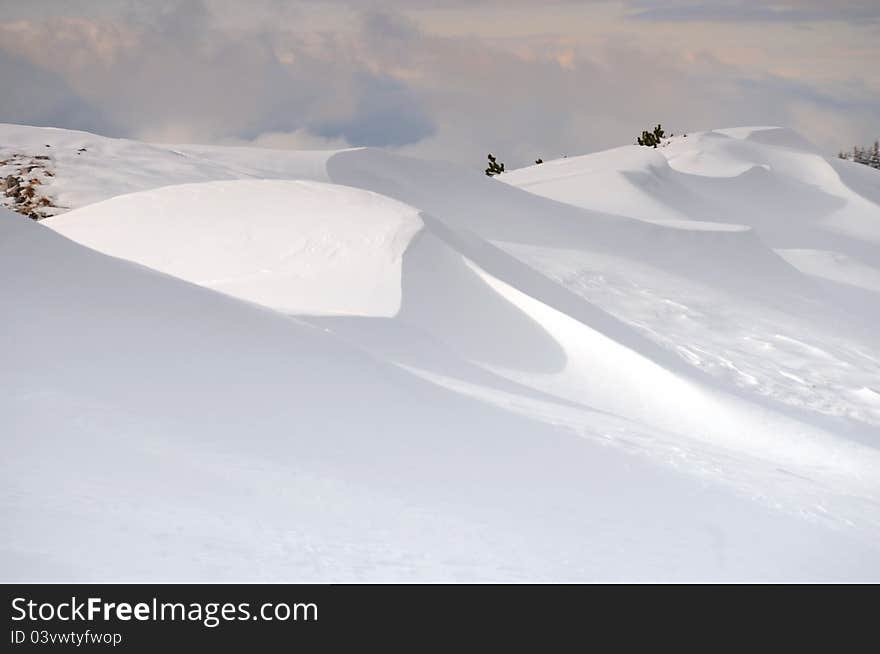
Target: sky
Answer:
[[445, 79]]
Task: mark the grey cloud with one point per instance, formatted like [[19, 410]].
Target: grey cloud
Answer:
[[804, 11], [659, 10], [185, 79], [387, 114], [38, 97], [382, 24]]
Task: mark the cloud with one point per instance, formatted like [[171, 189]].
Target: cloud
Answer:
[[387, 113], [300, 139], [803, 11], [174, 75], [35, 96], [331, 73]]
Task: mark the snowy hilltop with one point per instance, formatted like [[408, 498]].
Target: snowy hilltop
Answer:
[[642, 364]]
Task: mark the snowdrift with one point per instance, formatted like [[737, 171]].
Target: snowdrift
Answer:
[[306, 247], [639, 365], [294, 246], [769, 179], [192, 436]]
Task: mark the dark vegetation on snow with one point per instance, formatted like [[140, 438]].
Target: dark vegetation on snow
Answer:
[[869, 156]]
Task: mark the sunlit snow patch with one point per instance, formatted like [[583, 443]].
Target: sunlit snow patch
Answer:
[[294, 246]]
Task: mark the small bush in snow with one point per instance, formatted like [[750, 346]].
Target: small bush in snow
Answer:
[[494, 168], [651, 139]]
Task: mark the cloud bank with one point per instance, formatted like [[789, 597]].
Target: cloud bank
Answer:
[[450, 80]]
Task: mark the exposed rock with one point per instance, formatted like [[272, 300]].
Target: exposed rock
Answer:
[[22, 191]]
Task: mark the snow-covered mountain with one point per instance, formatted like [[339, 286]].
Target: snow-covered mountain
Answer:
[[639, 364]]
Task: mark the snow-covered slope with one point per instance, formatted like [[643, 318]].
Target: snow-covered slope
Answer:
[[590, 377], [155, 430], [812, 343], [77, 168], [767, 178]]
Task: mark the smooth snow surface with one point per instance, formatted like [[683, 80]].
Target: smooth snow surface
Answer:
[[298, 247], [639, 365]]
